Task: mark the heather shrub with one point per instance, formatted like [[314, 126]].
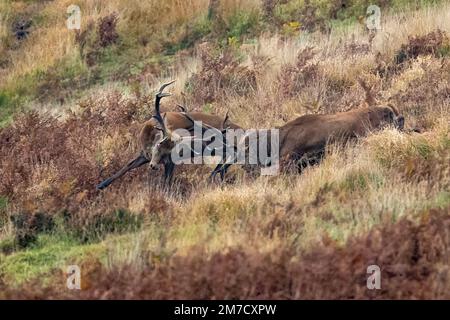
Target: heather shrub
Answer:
[[107, 30], [63, 81], [310, 15], [420, 88], [195, 31], [294, 78], [80, 99], [409, 255], [28, 226], [54, 165], [434, 43], [243, 23], [220, 72], [319, 87]]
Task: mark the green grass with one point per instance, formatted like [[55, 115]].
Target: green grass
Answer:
[[3, 206], [70, 77], [118, 222], [243, 23], [200, 28], [63, 245], [57, 250], [3, 203], [442, 200], [49, 253], [360, 181], [8, 105]]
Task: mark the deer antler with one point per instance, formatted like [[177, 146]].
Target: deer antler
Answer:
[[159, 95], [225, 120], [370, 99], [184, 112], [182, 108]]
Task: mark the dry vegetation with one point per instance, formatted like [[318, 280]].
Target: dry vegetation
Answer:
[[382, 200]]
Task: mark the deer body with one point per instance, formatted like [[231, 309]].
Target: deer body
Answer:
[[176, 120], [309, 134], [313, 132], [157, 141]]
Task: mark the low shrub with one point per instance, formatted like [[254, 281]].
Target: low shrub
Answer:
[[28, 226], [434, 43], [408, 254], [221, 72]]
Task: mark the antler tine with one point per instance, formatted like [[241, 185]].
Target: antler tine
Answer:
[[225, 120], [161, 89], [370, 99], [182, 108], [158, 98], [204, 125]]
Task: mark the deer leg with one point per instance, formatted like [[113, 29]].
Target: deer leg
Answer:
[[224, 170], [133, 164], [222, 167], [216, 170], [169, 167]]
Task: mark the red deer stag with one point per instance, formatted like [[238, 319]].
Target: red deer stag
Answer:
[[302, 141], [157, 141]]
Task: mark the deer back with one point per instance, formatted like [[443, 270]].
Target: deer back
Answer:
[[176, 120]]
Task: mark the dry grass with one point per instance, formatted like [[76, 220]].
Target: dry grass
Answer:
[[413, 260], [382, 188]]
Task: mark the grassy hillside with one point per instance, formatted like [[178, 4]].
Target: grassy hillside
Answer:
[[72, 104]]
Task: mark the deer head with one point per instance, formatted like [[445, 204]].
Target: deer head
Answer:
[[388, 112], [167, 139]]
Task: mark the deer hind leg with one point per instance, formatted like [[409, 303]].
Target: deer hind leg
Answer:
[[220, 169], [223, 166], [217, 169]]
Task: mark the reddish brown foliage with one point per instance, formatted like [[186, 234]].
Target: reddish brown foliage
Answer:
[[107, 30], [52, 166], [220, 73], [413, 259], [425, 93], [293, 78], [430, 43]]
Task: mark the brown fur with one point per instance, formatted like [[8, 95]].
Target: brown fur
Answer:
[[312, 132], [302, 141], [150, 135], [176, 120]]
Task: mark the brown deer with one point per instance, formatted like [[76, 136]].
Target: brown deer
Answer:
[[157, 139], [306, 137]]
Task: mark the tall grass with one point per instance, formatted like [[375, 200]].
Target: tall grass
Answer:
[[51, 161]]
